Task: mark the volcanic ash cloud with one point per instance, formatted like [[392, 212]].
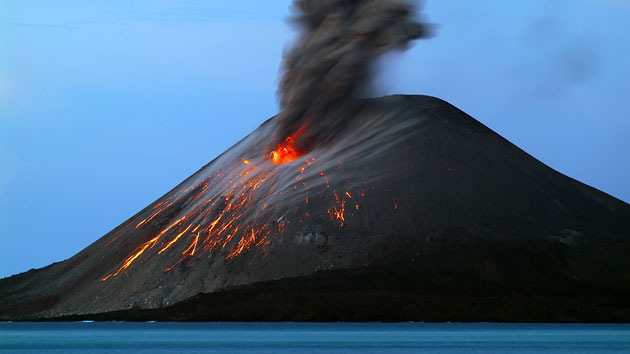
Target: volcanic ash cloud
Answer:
[[331, 62]]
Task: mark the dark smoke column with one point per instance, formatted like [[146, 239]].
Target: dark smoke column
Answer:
[[331, 62]]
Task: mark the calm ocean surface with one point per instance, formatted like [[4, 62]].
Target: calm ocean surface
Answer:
[[121, 337]]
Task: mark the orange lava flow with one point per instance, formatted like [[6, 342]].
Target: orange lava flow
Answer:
[[286, 151], [232, 212], [338, 213]]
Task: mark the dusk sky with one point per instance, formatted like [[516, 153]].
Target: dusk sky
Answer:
[[104, 107]]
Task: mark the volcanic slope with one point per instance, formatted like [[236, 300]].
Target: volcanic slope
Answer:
[[408, 188]]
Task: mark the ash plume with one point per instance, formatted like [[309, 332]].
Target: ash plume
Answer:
[[331, 62]]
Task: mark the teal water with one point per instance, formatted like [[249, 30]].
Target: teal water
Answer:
[[216, 337]]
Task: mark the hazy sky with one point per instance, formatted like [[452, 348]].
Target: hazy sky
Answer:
[[106, 106]]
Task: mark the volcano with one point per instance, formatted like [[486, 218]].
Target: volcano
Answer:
[[412, 210]]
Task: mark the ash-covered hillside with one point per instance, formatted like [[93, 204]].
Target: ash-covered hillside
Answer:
[[411, 183]]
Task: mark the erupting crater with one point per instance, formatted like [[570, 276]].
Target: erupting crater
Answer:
[[286, 151]]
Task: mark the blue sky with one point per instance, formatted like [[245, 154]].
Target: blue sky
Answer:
[[105, 106]]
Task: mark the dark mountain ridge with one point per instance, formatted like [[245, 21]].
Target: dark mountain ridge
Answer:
[[410, 201]]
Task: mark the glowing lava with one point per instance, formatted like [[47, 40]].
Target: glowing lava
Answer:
[[231, 210], [286, 151]]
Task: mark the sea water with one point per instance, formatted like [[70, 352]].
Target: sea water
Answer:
[[217, 337]]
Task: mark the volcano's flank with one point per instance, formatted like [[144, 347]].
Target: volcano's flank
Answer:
[[412, 207]]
